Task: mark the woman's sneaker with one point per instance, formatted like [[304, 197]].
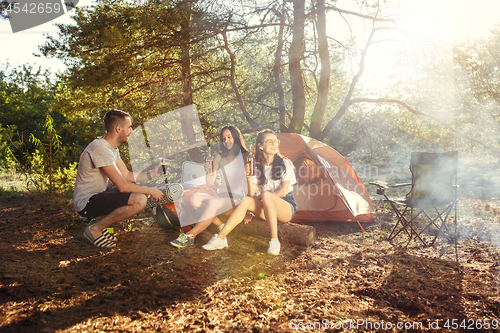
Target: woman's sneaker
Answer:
[[184, 240], [274, 247], [215, 243], [213, 238]]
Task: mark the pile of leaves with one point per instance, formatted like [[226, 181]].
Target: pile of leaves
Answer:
[[53, 280]]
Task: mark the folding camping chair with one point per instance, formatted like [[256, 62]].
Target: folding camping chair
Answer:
[[431, 202]]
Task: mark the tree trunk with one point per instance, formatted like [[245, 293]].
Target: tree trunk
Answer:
[[324, 79], [187, 91], [295, 56], [276, 72], [51, 179]]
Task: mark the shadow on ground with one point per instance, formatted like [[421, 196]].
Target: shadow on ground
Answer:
[[52, 279]]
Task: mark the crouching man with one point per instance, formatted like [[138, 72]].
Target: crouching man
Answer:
[[100, 164]]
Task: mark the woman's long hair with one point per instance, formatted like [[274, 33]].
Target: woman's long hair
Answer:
[[278, 166], [239, 142]]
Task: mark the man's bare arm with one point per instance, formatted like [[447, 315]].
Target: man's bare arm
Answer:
[[114, 174]]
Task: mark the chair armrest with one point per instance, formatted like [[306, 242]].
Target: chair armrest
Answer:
[[399, 185], [382, 186]]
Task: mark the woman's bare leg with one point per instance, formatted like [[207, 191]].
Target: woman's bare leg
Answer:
[[199, 200], [213, 208], [247, 204], [275, 209]]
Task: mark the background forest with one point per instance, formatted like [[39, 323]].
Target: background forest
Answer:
[[294, 66]]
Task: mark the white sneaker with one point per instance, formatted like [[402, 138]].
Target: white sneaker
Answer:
[[215, 243], [274, 247], [213, 238], [221, 226]]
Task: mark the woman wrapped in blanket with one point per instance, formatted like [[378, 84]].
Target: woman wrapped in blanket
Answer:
[[270, 193], [229, 164]]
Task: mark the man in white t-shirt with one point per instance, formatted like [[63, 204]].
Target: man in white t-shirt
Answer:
[[100, 164]]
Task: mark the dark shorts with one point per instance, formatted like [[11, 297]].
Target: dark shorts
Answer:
[[104, 203], [289, 198]]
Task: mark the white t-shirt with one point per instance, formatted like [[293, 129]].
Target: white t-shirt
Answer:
[[236, 177], [273, 185], [90, 179]]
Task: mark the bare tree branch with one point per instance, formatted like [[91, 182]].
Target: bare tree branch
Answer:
[[355, 80], [233, 82], [373, 18], [418, 113]]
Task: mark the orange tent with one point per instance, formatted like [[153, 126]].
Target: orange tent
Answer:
[[328, 188]]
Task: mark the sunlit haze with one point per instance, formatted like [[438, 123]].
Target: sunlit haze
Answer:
[[445, 20], [427, 21]]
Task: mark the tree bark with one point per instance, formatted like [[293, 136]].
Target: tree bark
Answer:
[[187, 91], [277, 72], [324, 79], [299, 234], [296, 54]]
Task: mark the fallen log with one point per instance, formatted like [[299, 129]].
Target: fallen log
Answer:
[[294, 233]]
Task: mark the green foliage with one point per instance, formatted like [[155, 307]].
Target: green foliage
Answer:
[[130, 56], [135, 62], [4, 147], [37, 178], [43, 170], [447, 113], [30, 143], [26, 100], [478, 77], [479, 59], [48, 149]]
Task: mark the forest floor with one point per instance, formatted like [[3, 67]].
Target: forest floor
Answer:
[[53, 280]]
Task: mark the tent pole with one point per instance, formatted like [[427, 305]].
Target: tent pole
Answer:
[[360, 225]]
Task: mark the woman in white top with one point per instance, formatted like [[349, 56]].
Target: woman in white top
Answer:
[[229, 164], [270, 193]]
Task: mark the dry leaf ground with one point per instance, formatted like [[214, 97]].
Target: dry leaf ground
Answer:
[[53, 280]]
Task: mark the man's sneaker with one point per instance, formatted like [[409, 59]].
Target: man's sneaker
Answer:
[[215, 243], [184, 240], [109, 236], [274, 247], [89, 221]]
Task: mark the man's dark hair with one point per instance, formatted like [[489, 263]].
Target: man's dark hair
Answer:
[[114, 117]]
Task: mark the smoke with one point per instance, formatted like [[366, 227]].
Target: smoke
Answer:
[[478, 191]]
